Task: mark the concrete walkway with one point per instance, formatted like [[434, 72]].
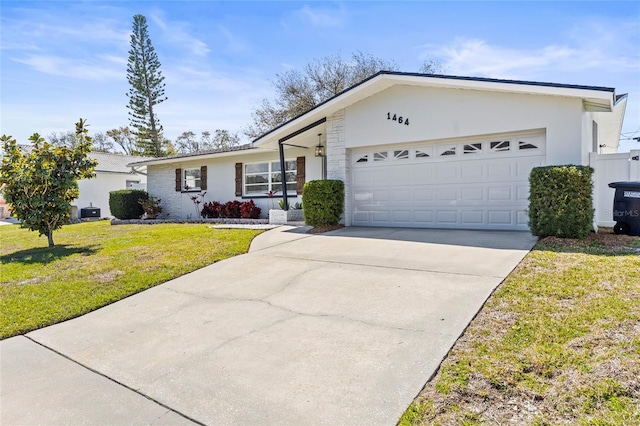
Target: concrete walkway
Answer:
[[338, 328]]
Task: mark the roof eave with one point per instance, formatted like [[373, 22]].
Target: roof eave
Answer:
[[170, 160]]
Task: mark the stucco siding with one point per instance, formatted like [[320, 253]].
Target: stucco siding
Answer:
[[95, 191], [437, 114]]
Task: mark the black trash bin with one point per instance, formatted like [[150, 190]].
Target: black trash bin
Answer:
[[626, 207]]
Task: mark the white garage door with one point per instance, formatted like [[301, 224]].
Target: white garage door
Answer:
[[473, 184]]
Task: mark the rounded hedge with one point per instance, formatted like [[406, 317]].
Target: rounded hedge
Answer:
[[561, 201], [323, 202], [124, 203]]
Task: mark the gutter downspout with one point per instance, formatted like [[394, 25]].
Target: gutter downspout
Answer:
[[281, 143]]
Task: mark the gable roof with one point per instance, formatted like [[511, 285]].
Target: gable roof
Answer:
[[595, 98], [114, 163], [107, 162]]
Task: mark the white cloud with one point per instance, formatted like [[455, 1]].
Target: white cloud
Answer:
[[479, 58], [72, 68], [590, 46], [323, 17], [178, 34], [234, 43]]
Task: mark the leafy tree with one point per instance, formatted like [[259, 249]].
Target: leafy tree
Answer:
[[147, 89], [223, 139], [67, 139], [187, 143], [430, 66], [102, 144], [70, 140], [41, 184], [125, 139], [298, 91]]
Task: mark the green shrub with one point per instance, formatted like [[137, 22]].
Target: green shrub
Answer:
[[323, 202], [124, 203], [561, 201]]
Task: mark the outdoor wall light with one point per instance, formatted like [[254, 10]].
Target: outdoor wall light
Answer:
[[320, 149]]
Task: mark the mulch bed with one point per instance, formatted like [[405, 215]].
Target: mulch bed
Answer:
[[603, 238], [325, 228]]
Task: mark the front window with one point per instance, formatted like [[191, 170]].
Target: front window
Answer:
[[191, 180], [262, 178]]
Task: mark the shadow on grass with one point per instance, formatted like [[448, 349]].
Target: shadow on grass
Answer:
[[46, 255]]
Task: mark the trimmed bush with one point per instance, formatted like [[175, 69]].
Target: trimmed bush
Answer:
[[323, 202], [561, 201], [124, 203]]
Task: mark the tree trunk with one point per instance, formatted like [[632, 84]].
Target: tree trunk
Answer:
[[50, 237]]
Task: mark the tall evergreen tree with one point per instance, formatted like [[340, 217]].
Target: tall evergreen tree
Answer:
[[147, 89]]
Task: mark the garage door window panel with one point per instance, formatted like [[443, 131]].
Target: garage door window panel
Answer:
[[526, 145], [401, 154], [422, 154], [445, 151], [500, 146], [380, 156], [472, 148]]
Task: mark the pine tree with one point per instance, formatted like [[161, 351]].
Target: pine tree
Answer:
[[147, 89]]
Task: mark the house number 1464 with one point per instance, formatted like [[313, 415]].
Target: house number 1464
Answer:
[[399, 119]]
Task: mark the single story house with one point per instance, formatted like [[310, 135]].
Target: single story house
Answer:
[[414, 150], [111, 174]]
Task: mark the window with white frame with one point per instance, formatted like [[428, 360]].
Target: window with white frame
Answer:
[[191, 179], [263, 178]]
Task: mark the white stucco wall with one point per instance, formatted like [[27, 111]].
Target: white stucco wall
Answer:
[[609, 127], [437, 114], [96, 191], [221, 181]]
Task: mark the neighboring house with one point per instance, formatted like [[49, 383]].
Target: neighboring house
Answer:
[[413, 150], [112, 173]]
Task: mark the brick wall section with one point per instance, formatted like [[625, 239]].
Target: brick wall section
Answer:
[[338, 159], [161, 183]]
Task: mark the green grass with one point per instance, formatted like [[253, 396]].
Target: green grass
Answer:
[[94, 264], [557, 343]]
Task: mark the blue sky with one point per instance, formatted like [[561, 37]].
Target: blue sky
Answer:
[[64, 60]]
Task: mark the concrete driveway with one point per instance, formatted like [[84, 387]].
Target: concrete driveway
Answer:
[[340, 328]]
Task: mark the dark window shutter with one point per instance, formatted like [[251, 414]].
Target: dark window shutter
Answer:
[[300, 175], [178, 179], [203, 178], [238, 179]]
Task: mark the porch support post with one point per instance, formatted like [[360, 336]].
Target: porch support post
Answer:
[[281, 149], [283, 177]]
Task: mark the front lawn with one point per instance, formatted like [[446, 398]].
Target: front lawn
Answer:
[[557, 343], [94, 264]]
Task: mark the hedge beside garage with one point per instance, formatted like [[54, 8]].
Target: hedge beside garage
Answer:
[[561, 201], [323, 202]]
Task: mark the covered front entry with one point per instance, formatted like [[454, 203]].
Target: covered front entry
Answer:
[[475, 183]]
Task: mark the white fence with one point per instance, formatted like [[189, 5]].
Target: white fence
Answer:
[[611, 168]]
